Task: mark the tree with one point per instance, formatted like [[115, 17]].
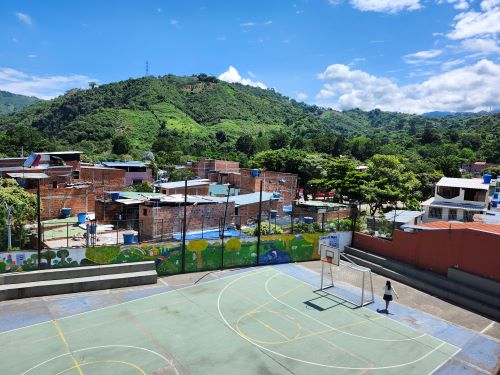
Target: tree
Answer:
[[389, 182], [245, 144], [220, 136], [362, 148], [279, 140], [121, 145], [23, 210], [336, 172], [92, 85]]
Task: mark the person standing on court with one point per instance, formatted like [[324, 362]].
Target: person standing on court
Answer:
[[388, 292]]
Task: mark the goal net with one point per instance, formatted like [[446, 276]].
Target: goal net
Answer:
[[348, 281]]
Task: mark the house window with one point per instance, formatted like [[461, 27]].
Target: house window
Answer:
[[135, 182], [76, 175], [435, 212], [144, 212], [452, 214], [448, 192], [475, 195], [54, 184]]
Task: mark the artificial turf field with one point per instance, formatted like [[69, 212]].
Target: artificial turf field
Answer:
[[260, 321]]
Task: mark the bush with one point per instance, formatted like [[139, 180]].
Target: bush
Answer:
[[307, 228], [264, 229]]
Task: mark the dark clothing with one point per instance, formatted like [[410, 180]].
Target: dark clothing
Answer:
[[387, 297]]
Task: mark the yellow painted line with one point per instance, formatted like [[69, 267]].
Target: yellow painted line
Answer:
[[63, 339], [106, 361]]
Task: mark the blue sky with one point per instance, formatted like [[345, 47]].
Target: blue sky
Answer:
[[403, 55]]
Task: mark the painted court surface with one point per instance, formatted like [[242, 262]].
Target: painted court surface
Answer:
[[258, 321]]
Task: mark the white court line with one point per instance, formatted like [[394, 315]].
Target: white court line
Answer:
[[170, 362], [160, 279], [266, 287], [392, 320], [442, 363], [251, 270], [487, 327], [301, 360]]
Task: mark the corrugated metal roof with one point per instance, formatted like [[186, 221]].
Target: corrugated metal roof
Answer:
[[179, 184], [123, 164], [28, 176], [403, 216], [469, 183], [243, 199], [461, 206]]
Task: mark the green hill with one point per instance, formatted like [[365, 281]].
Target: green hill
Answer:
[[10, 103], [202, 116]]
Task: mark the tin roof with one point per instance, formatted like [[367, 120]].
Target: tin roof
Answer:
[[492, 228], [468, 183], [403, 216], [28, 176], [123, 164], [179, 184]]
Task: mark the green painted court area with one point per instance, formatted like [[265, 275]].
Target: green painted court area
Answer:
[[261, 321]]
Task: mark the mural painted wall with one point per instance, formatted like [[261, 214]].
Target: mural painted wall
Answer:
[[201, 254]]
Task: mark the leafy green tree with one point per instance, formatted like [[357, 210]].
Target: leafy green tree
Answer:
[[362, 148], [245, 144], [389, 182], [221, 136], [279, 140], [23, 210], [336, 172], [121, 144]]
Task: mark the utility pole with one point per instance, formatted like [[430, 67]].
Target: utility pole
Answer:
[[9, 228], [183, 260], [147, 68], [258, 222], [224, 226], [39, 222]]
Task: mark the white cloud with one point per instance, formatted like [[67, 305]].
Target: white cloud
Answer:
[[44, 87], [385, 6], [25, 18], [422, 57], [248, 24], [268, 22], [481, 46], [457, 4], [232, 76], [301, 96], [473, 24], [251, 74], [32, 56], [174, 22], [469, 88], [451, 64]]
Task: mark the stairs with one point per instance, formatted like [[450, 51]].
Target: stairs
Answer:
[[74, 280], [469, 296]]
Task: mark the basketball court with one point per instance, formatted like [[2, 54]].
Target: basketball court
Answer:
[[255, 321]]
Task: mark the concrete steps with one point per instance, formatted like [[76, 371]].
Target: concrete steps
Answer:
[[74, 280], [435, 284]]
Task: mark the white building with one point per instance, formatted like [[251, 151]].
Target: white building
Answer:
[[456, 199]]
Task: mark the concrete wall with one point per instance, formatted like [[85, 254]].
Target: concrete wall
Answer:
[[473, 251]]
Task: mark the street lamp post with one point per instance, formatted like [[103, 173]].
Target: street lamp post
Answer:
[[9, 227]]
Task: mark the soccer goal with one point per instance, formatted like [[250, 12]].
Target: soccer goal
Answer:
[[345, 279]]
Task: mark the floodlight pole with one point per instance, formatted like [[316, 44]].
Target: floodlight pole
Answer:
[[258, 221], [9, 228], [39, 237], [183, 260], [224, 226]]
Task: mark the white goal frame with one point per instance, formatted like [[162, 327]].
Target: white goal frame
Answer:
[[365, 282]]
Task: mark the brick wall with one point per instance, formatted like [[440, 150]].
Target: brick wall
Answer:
[[313, 212], [103, 179], [143, 176], [202, 167], [168, 219], [79, 200], [191, 190]]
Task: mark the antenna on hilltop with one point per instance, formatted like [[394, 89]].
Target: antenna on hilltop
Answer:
[[147, 68]]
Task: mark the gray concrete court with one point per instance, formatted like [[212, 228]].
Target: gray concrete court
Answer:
[[253, 320]]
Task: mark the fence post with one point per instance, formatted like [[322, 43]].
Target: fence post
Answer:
[[162, 229], [183, 260], [67, 234], [117, 232], [258, 221]]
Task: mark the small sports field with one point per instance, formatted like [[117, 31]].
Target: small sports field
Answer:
[[256, 321]]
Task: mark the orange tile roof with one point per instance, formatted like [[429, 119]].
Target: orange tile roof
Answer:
[[457, 225]]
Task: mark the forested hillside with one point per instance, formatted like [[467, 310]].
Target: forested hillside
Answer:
[[202, 116], [10, 103]]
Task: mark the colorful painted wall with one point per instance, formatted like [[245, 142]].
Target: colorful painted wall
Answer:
[[201, 255]]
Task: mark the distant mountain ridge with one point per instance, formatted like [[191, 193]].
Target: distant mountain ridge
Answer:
[[444, 114], [201, 115], [10, 103]]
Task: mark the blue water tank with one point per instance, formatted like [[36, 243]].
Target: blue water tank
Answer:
[[273, 213], [128, 238], [287, 208], [115, 196], [494, 204], [82, 217], [276, 195], [495, 196], [65, 212], [308, 220], [487, 178], [255, 173]]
